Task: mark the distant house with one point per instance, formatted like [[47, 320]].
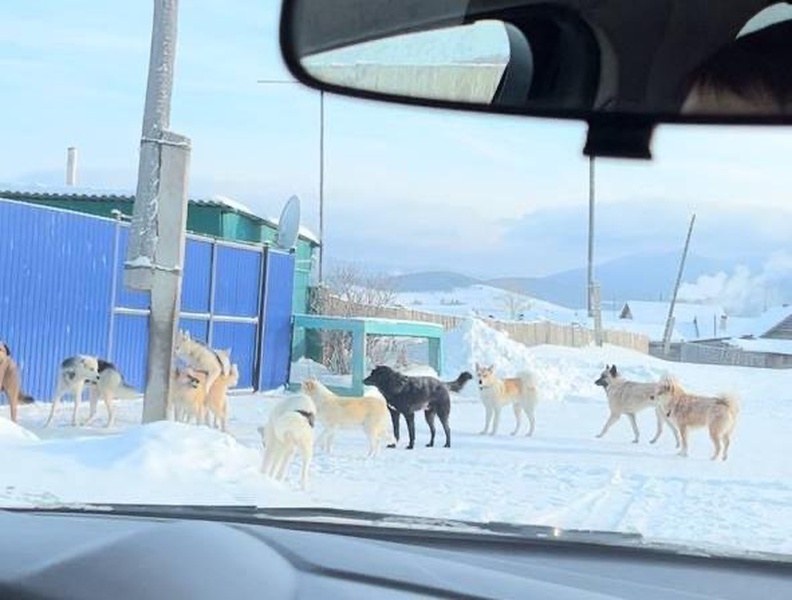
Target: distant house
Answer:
[[691, 321]]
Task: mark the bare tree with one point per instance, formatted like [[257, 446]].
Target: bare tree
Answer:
[[351, 293], [515, 304]]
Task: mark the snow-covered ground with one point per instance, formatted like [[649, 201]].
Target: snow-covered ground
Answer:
[[562, 476]]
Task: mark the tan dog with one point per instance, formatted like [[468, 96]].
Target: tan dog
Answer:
[[630, 398], [216, 404], [496, 393], [201, 357], [10, 381], [690, 411], [289, 429], [369, 413], [188, 395]]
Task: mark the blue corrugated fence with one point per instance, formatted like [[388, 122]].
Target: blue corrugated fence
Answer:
[[62, 293]]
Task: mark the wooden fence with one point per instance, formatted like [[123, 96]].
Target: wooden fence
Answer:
[[529, 334]]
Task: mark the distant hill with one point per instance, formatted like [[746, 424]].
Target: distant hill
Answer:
[[636, 277], [432, 281]]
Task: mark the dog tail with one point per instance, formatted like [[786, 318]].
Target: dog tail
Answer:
[[26, 398], [126, 392], [731, 402], [459, 383], [528, 380]]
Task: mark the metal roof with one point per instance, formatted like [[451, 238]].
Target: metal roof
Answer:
[[99, 195]]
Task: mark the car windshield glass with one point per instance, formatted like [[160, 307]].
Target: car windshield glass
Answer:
[[586, 344]]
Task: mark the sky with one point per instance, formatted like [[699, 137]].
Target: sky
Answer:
[[408, 189]]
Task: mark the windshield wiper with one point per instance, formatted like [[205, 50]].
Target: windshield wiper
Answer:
[[401, 528]]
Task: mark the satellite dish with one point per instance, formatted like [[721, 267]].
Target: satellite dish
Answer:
[[289, 224]]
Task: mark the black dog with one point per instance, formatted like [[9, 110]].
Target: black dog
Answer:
[[405, 395]]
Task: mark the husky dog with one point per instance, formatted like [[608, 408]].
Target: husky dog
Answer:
[[10, 381], [290, 428], [217, 399], [74, 373], [629, 398], [108, 387], [368, 413], [496, 393], [203, 358], [405, 395], [688, 411]]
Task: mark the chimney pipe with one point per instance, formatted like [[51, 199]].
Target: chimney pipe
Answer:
[[71, 166]]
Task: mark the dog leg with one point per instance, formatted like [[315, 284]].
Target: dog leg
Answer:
[[55, 404], [531, 420], [395, 416], [429, 414], [108, 400], [306, 453], [683, 434], [609, 423], [659, 415], [446, 427], [487, 419], [726, 444], [410, 417], [634, 424], [716, 442], [496, 419], [517, 418], [93, 399], [78, 392]]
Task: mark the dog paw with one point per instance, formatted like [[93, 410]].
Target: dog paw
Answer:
[[430, 445], [391, 445], [635, 441], [410, 447]]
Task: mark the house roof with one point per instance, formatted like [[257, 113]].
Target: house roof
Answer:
[[657, 312], [760, 325], [86, 194]]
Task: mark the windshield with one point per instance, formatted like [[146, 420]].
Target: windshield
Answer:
[[577, 339]]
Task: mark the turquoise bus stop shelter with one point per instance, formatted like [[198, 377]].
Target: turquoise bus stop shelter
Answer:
[[360, 328]]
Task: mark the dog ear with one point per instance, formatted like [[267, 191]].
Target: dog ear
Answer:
[[613, 371], [7, 349]]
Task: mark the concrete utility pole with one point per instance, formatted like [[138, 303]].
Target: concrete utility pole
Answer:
[[669, 328], [155, 251], [71, 166]]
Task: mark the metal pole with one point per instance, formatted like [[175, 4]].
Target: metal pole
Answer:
[[590, 282], [670, 320], [155, 262], [321, 187]]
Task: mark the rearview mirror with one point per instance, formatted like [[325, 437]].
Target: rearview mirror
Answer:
[[620, 65]]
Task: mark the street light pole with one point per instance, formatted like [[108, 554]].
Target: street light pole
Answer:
[[321, 166], [590, 281]]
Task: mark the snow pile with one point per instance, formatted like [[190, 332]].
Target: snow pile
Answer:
[[10, 432]]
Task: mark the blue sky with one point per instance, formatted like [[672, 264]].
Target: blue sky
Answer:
[[406, 188]]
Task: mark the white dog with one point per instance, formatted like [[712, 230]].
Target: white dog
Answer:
[[74, 373], [519, 391], [290, 428]]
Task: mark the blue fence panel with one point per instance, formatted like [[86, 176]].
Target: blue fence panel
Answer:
[[238, 285], [241, 338], [276, 313], [196, 285], [130, 348], [57, 270], [55, 289]]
